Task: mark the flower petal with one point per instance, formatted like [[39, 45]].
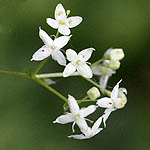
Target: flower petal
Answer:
[[74, 21], [71, 55], [69, 69], [88, 110], [73, 105], [85, 70], [53, 23], [41, 53], [63, 119], [64, 30], [61, 41], [59, 57], [106, 114], [82, 124], [78, 136], [103, 81], [114, 93], [45, 37], [97, 131], [85, 54], [105, 102], [123, 90], [60, 13], [96, 125]]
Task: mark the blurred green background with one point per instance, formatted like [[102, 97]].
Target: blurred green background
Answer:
[[27, 110]]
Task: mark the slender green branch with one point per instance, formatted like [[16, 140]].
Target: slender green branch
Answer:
[[86, 100], [54, 75], [40, 66], [57, 34], [97, 85], [100, 60], [41, 82], [16, 74]]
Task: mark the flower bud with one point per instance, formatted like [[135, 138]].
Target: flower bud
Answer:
[[93, 93], [114, 64], [116, 54]]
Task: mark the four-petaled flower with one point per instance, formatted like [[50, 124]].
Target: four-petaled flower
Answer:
[[77, 115], [62, 23], [78, 62], [116, 101], [51, 47]]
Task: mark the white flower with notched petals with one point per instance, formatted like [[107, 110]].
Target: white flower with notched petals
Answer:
[[116, 101], [51, 47], [78, 62], [90, 132], [77, 115], [62, 23]]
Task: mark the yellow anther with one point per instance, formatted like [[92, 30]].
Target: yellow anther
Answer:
[[68, 12], [61, 22], [120, 105], [59, 14], [123, 98], [70, 21]]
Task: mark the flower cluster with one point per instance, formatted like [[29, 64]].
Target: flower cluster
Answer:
[[77, 63]]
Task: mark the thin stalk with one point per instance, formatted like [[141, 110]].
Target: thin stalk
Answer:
[[54, 75], [87, 100], [40, 66], [16, 74], [100, 60], [97, 85], [41, 82]]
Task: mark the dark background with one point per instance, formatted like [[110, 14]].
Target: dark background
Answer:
[[27, 110]]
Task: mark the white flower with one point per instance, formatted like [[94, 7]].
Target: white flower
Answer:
[[104, 72], [116, 101], [51, 47], [90, 132], [62, 23], [77, 115], [78, 62]]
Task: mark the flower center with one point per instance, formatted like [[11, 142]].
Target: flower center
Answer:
[[61, 22], [77, 116], [78, 62], [53, 47]]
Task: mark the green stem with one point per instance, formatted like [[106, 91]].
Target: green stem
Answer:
[[54, 75], [16, 74], [40, 66], [39, 81], [87, 100], [97, 85], [57, 34], [100, 60]]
